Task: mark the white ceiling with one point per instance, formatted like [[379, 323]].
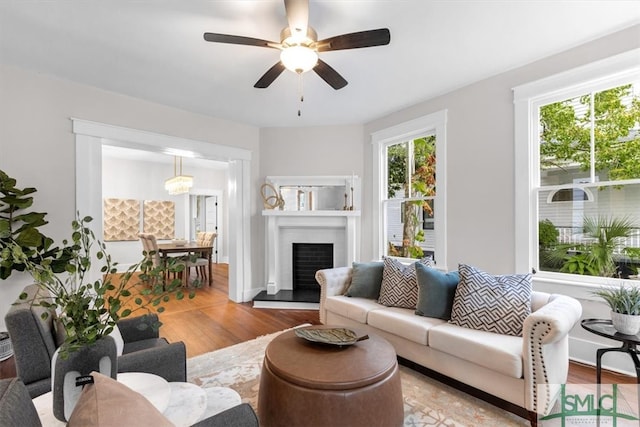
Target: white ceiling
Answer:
[[154, 50]]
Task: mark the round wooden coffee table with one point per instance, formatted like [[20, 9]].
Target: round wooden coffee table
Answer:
[[310, 384]]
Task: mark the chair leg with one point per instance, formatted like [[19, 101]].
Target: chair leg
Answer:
[[203, 273]]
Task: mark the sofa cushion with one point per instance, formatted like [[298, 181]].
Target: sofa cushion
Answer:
[[500, 353], [489, 303], [399, 284], [403, 323], [366, 280], [436, 291], [351, 307]]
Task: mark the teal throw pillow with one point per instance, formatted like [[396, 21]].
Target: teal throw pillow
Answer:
[[366, 280], [436, 291]]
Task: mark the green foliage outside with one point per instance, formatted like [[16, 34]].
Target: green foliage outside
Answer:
[[565, 143], [566, 135], [421, 175], [547, 234], [596, 256]]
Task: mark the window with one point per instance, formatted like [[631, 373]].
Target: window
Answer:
[[411, 189], [411, 220], [581, 144], [570, 195]]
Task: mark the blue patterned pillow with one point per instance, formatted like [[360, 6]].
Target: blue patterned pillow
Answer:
[[489, 303], [399, 283]]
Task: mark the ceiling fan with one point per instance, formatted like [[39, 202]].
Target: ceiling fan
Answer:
[[299, 46]]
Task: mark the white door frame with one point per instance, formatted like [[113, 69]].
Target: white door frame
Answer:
[[89, 138], [221, 217]]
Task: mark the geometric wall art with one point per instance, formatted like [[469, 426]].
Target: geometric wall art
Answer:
[[121, 219], [159, 218]]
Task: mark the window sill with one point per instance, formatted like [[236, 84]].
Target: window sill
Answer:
[[566, 284]]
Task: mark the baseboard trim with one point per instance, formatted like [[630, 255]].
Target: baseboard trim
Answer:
[[286, 305]]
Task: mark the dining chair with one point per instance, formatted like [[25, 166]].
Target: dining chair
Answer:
[[203, 238], [150, 246]]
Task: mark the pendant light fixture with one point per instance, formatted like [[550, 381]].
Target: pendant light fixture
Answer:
[[179, 183]]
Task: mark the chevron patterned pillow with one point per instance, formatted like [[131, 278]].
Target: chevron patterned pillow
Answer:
[[489, 303], [399, 283]]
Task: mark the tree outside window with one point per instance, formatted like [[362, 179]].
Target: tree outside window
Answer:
[[590, 142], [411, 190]]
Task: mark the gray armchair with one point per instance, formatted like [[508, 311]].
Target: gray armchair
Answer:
[[16, 409], [34, 342]]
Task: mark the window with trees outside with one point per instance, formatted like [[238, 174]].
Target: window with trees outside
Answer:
[[585, 178], [412, 209], [411, 189]]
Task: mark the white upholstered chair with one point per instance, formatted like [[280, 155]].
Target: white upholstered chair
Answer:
[[203, 238]]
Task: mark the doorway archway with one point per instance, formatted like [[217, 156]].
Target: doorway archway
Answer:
[[89, 138]]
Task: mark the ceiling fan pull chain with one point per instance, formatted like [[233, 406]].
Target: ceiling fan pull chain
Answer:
[[301, 93]]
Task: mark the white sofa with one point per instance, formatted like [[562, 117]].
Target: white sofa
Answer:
[[523, 371]]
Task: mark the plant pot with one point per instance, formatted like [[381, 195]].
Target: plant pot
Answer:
[[101, 357], [625, 323]]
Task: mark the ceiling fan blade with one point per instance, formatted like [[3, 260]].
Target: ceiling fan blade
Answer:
[[268, 77], [329, 75], [297, 16], [369, 38], [249, 41]]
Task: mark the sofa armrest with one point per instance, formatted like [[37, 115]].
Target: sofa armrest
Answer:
[[546, 350], [332, 281], [139, 328], [167, 361]]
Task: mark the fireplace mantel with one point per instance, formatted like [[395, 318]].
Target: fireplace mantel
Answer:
[[275, 212], [288, 226]]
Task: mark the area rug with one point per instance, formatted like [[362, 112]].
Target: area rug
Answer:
[[427, 402]]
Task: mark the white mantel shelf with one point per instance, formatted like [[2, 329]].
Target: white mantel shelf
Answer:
[[276, 212]]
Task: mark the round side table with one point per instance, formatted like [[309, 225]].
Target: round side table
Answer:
[[604, 328]]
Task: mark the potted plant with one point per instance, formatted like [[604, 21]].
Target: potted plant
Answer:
[[624, 302], [89, 310], [19, 230]]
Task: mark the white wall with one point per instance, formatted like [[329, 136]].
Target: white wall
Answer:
[[329, 150], [37, 144], [481, 172], [141, 180]]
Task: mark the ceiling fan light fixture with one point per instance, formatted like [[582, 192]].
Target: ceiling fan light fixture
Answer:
[[299, 59]]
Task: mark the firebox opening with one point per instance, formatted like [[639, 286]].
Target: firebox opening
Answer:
[[307, 259]]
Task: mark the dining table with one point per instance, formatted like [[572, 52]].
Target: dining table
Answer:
[[188, 248]]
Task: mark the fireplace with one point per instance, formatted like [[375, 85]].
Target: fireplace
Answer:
[[333, 218], [307, 259]]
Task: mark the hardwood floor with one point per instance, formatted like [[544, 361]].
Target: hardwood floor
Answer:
[[210, 321]]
